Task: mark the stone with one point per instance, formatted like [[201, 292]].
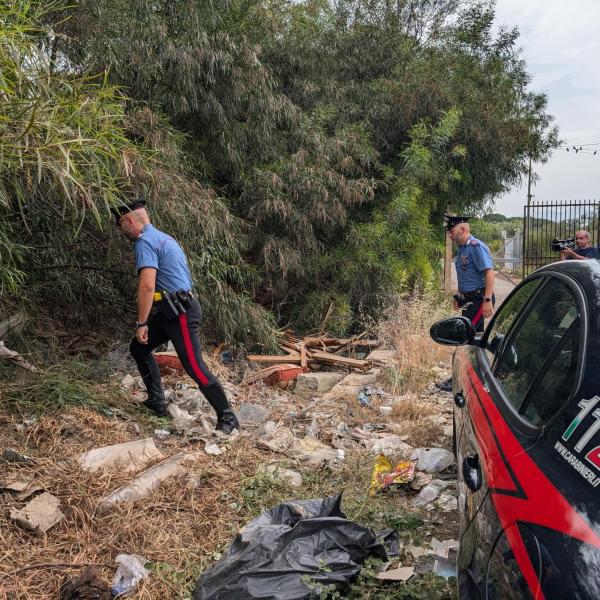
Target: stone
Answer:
[[447, 502], [130, 456], [360, 379], [318, 381], [275, 437], [128, 382], [389, 444], [212, 449], [161, 434], [426, 496], [292, 478], [252, 414], [314, 452], [432, 460], [40, 514], [382, 355]]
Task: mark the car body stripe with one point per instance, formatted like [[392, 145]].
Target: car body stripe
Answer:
[[539, 501]]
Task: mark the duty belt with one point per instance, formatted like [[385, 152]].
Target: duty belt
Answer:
[[471, 295], [159, 296]]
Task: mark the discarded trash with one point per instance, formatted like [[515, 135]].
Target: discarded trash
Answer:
[[389, 444], [87, 585], [40, 514], [292, 478], [427, 495], [128, 382], [161, 434], [213, 449], [284, 377], [399, 574], [432, 460], [130, 456], [313, 429], [25, 486], [444, 567], [275, 437], [363, 398], [226, 357], [314, 452], [387, 478], [182, 419], [168, 359], [12, 456], [252, 414], [147, 481], [130, 572], [291, 552]]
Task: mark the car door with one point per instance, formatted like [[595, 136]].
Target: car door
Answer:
[[535, 368], [475, 443]]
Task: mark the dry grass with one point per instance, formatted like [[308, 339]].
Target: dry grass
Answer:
[[406, 329]]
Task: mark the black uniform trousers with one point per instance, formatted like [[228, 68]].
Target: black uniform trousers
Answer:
[[472, 308], [184, 332]]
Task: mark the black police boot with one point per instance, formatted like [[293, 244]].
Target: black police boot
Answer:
[[158, 406], [226, 419]]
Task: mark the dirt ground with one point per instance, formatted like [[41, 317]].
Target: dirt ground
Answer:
[[185, 525]]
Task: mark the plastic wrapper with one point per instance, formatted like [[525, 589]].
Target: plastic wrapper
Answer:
[[387, 478], [130, 572], [293, 552]]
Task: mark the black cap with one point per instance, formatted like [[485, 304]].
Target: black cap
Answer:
[[123, 209], [452, 220]]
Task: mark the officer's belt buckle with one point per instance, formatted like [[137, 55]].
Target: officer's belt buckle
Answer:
[[158, 296]]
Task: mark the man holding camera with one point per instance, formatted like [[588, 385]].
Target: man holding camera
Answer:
[[167, 310], [474, 271], [583, 249]]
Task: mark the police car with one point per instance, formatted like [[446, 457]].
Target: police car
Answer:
[[527, 439]]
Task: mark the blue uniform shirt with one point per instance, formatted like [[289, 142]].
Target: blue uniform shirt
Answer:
[[472, 260], [161, 252]]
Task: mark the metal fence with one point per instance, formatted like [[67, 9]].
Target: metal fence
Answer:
[[544, 221]]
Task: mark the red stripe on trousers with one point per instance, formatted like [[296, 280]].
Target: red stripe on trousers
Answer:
[[477, 316], [189, 348]]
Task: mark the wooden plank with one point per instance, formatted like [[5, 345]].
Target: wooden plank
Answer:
[[260, 374], [328, 358], [303, 357], [290, 347], [275, 360]]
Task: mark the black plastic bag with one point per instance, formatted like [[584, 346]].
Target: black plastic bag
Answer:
[[292, 552]]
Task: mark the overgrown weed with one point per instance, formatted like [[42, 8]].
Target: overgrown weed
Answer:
[[406, 329]]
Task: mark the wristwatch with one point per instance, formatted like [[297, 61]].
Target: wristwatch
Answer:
[[138, 325], [487, 299]]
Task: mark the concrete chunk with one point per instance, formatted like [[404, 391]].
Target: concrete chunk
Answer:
[[319, 381], [40, 514], [127, 457]]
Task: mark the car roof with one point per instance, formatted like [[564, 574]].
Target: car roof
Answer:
[[585, 272]]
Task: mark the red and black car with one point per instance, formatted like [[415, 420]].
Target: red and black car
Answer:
[[527, 439]]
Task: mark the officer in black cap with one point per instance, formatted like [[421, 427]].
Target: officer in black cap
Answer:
[[474, 272], [167, 310]]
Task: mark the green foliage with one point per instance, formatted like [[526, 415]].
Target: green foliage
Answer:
[[303, 153]]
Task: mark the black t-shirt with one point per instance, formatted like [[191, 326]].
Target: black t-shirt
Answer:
[[589, 252]]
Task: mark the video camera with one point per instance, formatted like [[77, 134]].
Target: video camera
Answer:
[[560, 245]]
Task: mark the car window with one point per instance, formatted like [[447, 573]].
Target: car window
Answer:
[[537, 366], [506, 316]]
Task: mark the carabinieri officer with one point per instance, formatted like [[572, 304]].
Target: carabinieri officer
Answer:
[[167, 310], [474, 271]]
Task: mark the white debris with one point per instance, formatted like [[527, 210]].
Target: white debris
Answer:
[[130, 456]]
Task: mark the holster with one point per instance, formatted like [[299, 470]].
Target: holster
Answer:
[[174, 304]]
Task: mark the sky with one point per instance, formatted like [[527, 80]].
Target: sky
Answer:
[[560, 40]]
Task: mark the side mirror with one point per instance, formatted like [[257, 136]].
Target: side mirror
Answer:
[[454, 331]]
